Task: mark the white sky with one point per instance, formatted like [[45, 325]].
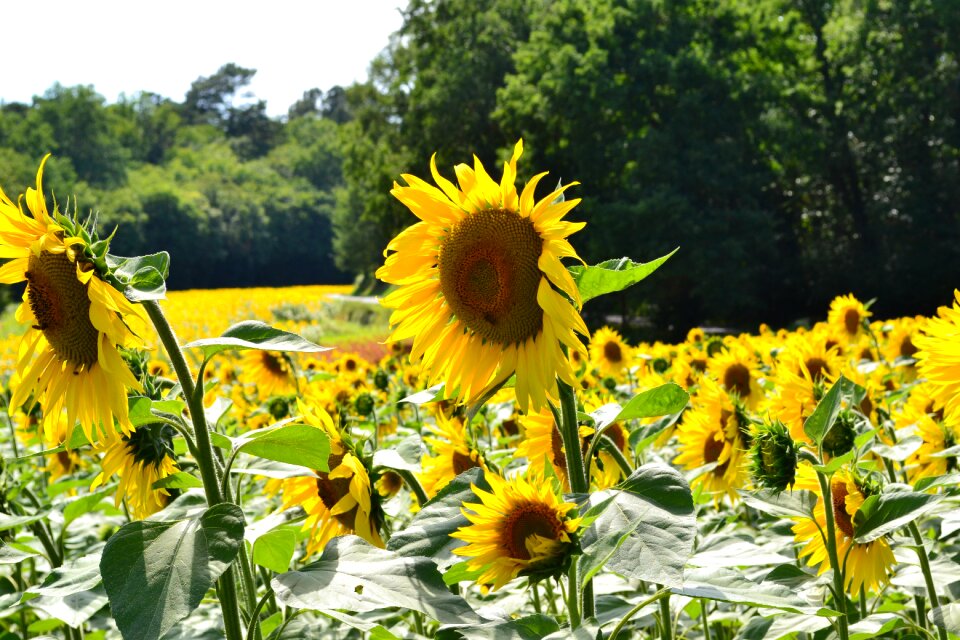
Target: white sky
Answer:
[[126, 46]]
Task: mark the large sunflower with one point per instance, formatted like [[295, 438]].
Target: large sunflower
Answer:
[[68, 355], [938, 358], [863, 564], [339, 501], [482, 291], [521, 525]]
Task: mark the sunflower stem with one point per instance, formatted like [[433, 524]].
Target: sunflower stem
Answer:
[[253, 628], [414, 485], [666, 620], [703, 619], [573, 597], [831, 543], [576, 472], [536, 597], [659, 595], [928, 579], [226, 585]]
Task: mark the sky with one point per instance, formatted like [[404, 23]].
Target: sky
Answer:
[[127, 46]]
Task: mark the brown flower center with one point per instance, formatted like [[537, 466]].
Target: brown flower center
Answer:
[[817, 368], [839, 493], [851, 321], [489, 275], [612, 352], [332, 491], [273, 363], [462, 462], [907, 348], [556, 445], [712, 448], [526, 520], [737, 378], [60, 303]]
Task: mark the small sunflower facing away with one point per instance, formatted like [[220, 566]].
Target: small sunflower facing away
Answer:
[[481, 289], [520, 526], [68, 355], [140, 460]]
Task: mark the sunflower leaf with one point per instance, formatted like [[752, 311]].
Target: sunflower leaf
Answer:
[[654, 507], [613, 275], [729, 585], [947, 617], [141, 277], [785, 504], [664, 400], [298, 444], [253, 334], [818, 425], [351, 574], [884, 513], [156, 572], [531, 627]]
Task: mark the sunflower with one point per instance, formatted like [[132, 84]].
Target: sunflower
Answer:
[[542, 444], [452, 455], [520, 526], [340, 501], [738, 370], [939, 357], [482, 291], [710, 435], [846, 316], [270, 372], [68, 355], [867, 564], [609, 353], [140, 460], [928, 461]]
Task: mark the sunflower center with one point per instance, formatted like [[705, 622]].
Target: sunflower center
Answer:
[[526, 520], [556, 446], [489, 275], [616, 433], [462, 462], [612, 352], [907, 348], [840, 515], [816, 367], [332, 491], [273, 363], [851, 320], [737, 378], [61, 306], [712, 448]]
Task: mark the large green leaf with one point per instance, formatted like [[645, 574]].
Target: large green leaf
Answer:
[[156, 572], [253, 334], [660, 401], [655, 505], [532, 627], [428, 534], [786, 504], [728, 585], [297, 444], [947, 617], [612, 275], [74, 576], [73, 609], [886, 512], [274, 549], [356, 576]]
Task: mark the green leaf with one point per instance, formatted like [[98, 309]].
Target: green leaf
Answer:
[[143, 277], [787, 504], [731, 551], [664, 400], [886, 512], [298, 444], [351, 574], [82, 505], [612, 275], [73, 609], [428, 534], [82, 574], [274, 549], [12, 522], [253, 334], [874, 625], [599, 552], [427, 395], [899, 451], [728, 585], [655, 505], [532, 627], [10, 554], [818, 425], [179, 480], [156, 572], [950, 479]]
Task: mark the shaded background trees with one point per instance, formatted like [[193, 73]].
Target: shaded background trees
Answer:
[[792, 150]]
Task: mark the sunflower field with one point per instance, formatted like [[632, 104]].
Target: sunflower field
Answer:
[[202, 464]]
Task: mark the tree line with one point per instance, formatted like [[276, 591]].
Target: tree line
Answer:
[[792, 149]]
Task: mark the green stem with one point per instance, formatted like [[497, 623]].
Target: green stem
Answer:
[[703, 619], [927, 577], [226, 585], [414, 485], [576, 472], [666, 620], [573, 597], [611, 447], [249, 584], [831, 542], [536, 597], [253, 628], [662, 593]]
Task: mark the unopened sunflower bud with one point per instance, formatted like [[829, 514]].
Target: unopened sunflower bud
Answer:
[[773, 457], [364, 404], [381, 380], [842, 435]]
